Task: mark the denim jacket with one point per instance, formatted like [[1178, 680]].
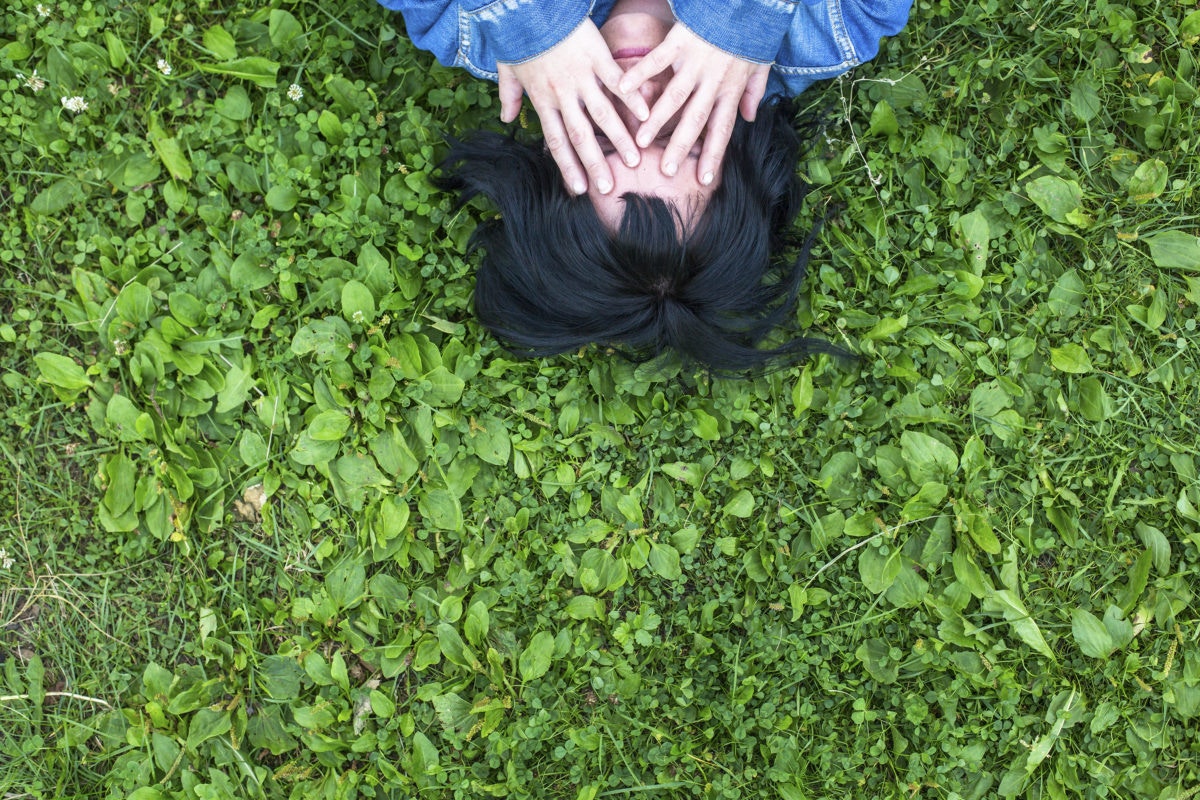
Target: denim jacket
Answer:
[[804, 40]]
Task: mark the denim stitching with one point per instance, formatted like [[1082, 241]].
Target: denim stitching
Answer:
[[837, 25], [493, 12]]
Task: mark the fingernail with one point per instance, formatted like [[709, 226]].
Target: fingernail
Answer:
[[708, 178], [642, 114], [579, 187], [605, 186], [642, 140], [631, 158], [669, 169], [624, 87]]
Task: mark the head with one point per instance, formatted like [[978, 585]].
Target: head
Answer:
[[555, 277], [633, 29]]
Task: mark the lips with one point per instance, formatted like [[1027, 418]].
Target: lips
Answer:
[[630, 52]]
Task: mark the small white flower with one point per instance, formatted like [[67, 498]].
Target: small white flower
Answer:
[[35, 82], [42, 10], [295, 93], [74, 104], [5, 560], [163, 66]]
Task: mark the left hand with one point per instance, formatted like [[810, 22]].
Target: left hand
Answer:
[[566, 86], [710, 86]]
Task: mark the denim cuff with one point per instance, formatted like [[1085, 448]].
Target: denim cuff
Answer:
[[521, 30], [751, 30]]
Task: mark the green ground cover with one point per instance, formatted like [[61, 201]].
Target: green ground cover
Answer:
[[279, 520]]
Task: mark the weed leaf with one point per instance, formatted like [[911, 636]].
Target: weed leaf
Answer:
[[1091, 635], [206, 724], [535, 658], [220, 43], [1070, 358], [1148, 181], [256, 69], [58, 196], [927, 458], [1175, 250], [62, 373], [1056, 197], [1008, 605]]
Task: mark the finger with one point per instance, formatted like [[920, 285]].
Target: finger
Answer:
[[716, 139], [756, 87], [651, 64], [635, 103], [610, 75], [678, 92], [582, 142], [692, 121], [563, 154], [605, 117], [511, 93]]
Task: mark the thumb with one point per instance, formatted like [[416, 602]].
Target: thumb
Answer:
[[511, 93], [610, 75], [756, 87], [651, 64]]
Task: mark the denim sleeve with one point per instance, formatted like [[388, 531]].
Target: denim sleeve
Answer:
[[478, 34], [829, 37], [752, 29], [432, 26], [518, 30], [867, 22]]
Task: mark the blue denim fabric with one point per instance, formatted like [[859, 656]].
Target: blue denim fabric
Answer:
[[826, 39], [477, 34], [806, 40]]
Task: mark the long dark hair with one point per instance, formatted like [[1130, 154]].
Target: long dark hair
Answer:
[[554, 278]]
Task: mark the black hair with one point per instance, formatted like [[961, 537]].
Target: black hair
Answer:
[[555, 279]]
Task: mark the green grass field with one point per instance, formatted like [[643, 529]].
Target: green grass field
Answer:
[[278, 520]]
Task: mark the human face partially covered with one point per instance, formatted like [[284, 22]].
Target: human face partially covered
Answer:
[[634, 28]]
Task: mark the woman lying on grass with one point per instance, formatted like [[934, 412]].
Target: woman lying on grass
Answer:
[[650, 217]]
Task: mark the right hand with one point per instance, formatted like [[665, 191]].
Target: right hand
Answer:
[[709, 85], [566, 86]]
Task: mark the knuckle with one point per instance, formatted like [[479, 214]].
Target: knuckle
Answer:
[[722, 128], [577, 136], [678, 95], [555, 142], [698, 116]]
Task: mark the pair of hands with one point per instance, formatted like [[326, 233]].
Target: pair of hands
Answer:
[[567, 83]]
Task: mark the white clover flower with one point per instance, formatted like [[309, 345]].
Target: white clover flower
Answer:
[[295, 93], [6, 560], [163, 66], [34, 82], [42, 10], [74, 104]]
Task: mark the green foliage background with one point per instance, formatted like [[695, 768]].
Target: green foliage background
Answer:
[[284, 522]]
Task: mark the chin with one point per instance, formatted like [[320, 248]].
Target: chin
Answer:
[[633, 30]]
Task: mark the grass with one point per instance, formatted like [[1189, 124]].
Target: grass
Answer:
[[284, 522]]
